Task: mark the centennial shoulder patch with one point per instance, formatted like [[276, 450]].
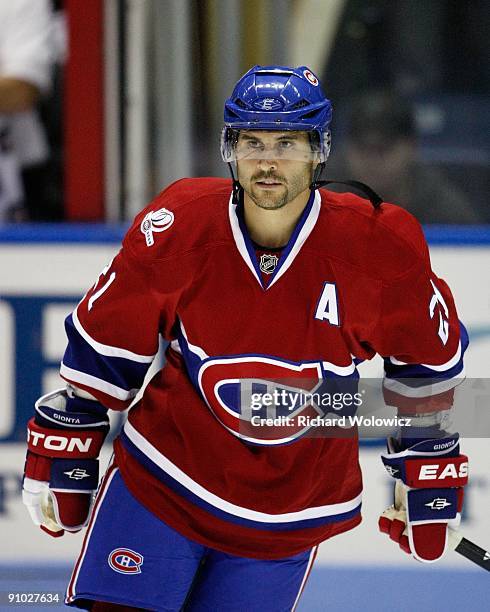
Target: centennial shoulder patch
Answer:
[[156, 221]]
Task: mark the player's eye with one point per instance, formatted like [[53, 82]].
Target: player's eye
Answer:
[[254, 144], [286, 144]]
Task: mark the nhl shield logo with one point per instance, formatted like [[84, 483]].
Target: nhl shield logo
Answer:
[[156, 221], [268, 263]]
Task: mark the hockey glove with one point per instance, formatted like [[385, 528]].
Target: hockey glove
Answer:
[[61, 469], [430, 476]]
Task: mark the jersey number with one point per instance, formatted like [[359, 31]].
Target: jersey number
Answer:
[[104, 287], [443, 331]]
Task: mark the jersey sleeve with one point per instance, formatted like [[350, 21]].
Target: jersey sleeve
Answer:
[[113, 333], [420, 338]]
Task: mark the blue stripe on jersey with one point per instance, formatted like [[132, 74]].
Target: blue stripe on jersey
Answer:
[[193, 363], [421, 374], [192, 360], [80, 356], [191, 497], [425, 374], [287, 249]]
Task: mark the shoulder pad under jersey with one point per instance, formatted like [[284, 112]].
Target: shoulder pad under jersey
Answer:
[[188, 214], [386, 241]]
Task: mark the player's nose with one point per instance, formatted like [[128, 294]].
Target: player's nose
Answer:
[[267, 163]]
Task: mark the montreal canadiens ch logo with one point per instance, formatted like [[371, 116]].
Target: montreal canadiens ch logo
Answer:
[[125, 561], [233, 388], [311, 77], [156, 221]]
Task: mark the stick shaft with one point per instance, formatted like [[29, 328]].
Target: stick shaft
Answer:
[[474, 553]]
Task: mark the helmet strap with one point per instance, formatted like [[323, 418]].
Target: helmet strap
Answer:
[[366, 191], [316, 183], [237, 188]]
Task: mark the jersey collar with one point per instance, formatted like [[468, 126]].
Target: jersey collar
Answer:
[[245, 247]]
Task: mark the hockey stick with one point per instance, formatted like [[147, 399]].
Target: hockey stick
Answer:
[[469, 550]]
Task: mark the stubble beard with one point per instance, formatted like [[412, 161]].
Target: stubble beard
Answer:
[[290, 190], [270, 202]]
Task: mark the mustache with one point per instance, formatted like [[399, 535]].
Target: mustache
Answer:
[[269, 175]]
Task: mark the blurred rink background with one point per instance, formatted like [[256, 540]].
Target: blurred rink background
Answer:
[[137, 101]]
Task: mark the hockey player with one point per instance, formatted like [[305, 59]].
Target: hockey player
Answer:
[[262, 280]]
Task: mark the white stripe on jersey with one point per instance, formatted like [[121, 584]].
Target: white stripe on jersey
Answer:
[[247, 513], [311, 560], [306, 230], [88, 380], [197, 350], [105, 349], [71, 593], [432, 388], [437, 368]]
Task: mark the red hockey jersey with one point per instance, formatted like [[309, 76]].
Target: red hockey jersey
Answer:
[[352, 282]]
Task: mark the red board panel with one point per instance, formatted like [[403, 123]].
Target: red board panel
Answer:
[[84, 112]]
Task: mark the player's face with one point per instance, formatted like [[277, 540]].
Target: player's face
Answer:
[[274, 168]]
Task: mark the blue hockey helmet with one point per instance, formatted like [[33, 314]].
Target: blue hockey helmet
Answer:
[[277, 98]]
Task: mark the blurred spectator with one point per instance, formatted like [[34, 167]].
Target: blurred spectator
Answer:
[[414, 46], [381, 150], [25, 63]]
